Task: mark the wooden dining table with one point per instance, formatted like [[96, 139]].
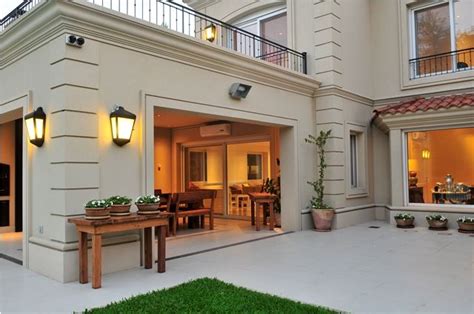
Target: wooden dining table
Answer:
[[97, 228]]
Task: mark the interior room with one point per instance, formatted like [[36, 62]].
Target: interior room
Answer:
[[11, 189], [199, 152], [441, 166]]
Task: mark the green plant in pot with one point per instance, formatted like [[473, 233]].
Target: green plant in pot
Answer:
[[120, 205], [272, 186], [97, 209], [404, 220], [148, 204], [322, 214], [437, 222], [466, 224]]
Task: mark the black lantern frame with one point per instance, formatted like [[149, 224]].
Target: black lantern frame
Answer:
[[117, 119], [36, 126]]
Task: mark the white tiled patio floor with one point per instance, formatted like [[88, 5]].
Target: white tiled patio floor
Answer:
[[355, 269]]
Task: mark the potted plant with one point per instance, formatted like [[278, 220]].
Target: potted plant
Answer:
[[437, 222], [120, 205], [322, 213], [466, 224], [272, 186], [148, 204], [97, 209], [404, 220]]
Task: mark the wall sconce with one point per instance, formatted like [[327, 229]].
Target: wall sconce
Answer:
[[210, 33], [425, 154], [35, 124], [122, 123], [238, 90]]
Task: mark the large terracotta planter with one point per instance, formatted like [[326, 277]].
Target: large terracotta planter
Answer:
[[465, 226], [97, 213], [148, 209], [120, 210], [438, 224], [322, 219], [405, 223]]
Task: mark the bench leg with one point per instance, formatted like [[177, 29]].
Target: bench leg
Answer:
[[257, 220], [148, 248], [161, 249], [83, 270], [96, 261], [252, 212]]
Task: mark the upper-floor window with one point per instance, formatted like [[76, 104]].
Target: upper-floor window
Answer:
[[271, 25], [442, 38]]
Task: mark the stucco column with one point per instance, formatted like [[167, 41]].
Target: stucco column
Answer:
[[396, 166]]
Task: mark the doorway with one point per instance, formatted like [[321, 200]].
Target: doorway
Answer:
[[11, 189]]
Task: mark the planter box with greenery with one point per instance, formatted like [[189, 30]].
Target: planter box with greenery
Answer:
[[322, 213], [120, 205], [466, 224], [405, 220], [437, 222], [148, 204], [97, 209]]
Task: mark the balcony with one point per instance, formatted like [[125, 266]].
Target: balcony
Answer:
[[189, 22], [443, 63]]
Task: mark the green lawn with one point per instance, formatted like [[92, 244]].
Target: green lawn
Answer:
[[208, 296]]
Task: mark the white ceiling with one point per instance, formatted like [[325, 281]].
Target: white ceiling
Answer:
[[171, 118]]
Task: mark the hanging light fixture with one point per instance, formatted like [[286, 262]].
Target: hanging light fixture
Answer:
[[122, 123], [35, 124], [210, 33], [425, 154]]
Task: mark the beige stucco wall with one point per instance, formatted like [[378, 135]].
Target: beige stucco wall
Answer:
[[139, 66]]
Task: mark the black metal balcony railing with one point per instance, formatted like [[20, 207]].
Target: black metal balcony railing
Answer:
[[187, 21], [16, 13], [443, 63]]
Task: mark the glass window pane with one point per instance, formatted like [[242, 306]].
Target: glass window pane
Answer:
[[433, 36], [353, 152], [441, 166], [464, 30], [274, 29]]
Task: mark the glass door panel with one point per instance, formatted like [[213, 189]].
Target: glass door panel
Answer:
[[205, 170], [248, 165]]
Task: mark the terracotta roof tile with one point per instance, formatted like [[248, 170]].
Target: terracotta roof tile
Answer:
[[425, 104]]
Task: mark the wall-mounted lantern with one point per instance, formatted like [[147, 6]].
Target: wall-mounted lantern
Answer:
[[210, 33], [425, 154], [35, 124], [122, 123]]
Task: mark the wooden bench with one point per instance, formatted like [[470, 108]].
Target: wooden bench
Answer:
[[193, 206], [258, 200]]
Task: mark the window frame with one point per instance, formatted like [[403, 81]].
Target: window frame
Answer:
[[362, 187], [405, 169], [412, 31]]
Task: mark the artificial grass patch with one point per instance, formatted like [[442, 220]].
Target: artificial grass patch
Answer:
[[208, 296]]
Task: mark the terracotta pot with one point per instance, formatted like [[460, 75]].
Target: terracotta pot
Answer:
[[322, 219], [120, 210], [405, 222], [97, 213], [148, 209], [437, 224], [466, 226]]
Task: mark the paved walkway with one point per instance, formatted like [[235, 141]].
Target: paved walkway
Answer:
[[357, 269]]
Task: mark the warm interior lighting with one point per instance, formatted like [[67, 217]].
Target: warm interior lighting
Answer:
[[122, 123], [210, 33], [35, 125], [425, 154]]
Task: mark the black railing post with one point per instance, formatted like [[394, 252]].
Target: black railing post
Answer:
[[305, 62]]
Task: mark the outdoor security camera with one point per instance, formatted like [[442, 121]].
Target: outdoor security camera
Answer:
[[239, 91], [76, 41]]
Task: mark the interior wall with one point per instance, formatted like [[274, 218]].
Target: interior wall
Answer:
[[7, 156], [162, 157], [237, 161]]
